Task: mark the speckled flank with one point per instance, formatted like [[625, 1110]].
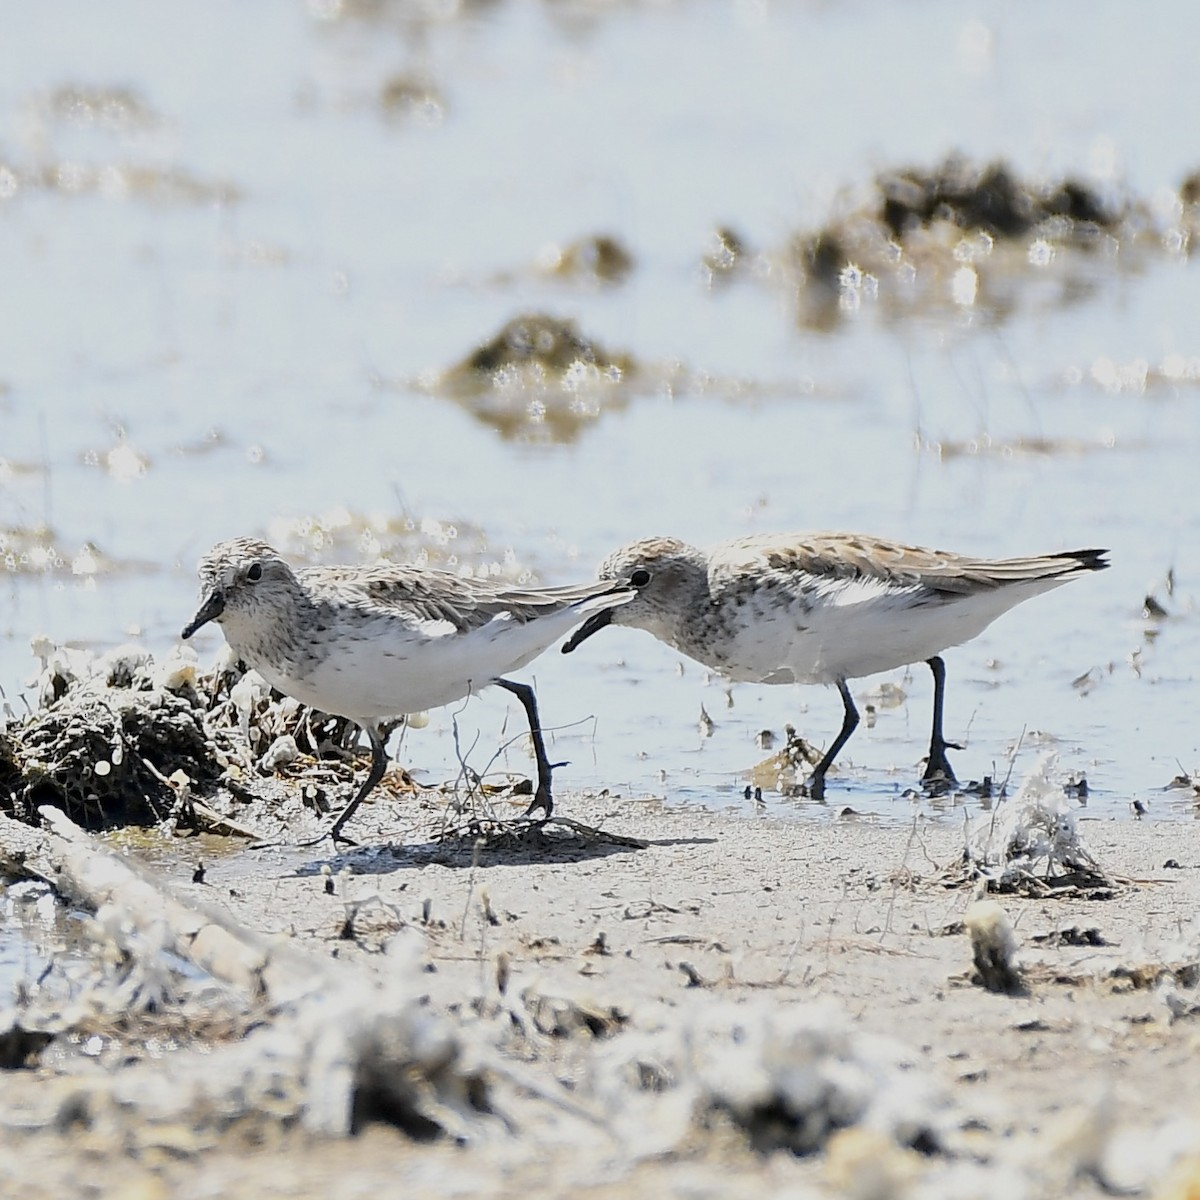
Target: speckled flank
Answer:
[[823, 607], [380, 641]]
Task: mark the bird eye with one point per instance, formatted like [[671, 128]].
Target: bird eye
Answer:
[[254, 573], [640, 577]]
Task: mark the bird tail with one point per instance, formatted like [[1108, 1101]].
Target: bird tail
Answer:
[[1086, 560]]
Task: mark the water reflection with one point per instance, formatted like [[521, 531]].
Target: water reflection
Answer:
[[539, 378]]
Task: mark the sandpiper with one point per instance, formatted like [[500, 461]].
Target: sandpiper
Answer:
[[824, 608], [372, 643]]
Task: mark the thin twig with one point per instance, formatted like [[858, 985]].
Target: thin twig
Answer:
[[462, 929]]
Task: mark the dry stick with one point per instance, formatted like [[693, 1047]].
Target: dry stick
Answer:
[[787, 965], [595, 720], [858, 912], [919, 834], [516, 737], [1012, 761], [472, 778], [832, 918], [216, 822], [475, 779], [464, 772], [462, 929], [1012, 757], [887, 925], [81, 869]]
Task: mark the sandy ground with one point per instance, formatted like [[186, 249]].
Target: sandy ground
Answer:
[[1083, 1084]]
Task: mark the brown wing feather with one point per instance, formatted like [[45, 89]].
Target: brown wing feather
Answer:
[[431, 595], [858, 556]]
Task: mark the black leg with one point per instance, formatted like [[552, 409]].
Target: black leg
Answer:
[[816, 783], [937, 769], [378, 767], [541, 798]]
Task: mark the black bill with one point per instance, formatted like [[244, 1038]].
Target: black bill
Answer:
[[593, 624], [210, 610]]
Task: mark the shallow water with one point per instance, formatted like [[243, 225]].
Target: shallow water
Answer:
[[34, 926], [234, 267]]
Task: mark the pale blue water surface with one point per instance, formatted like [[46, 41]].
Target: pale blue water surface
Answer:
[[244, 336]]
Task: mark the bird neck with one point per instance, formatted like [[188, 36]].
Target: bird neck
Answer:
[[681, 621], [268, 634]]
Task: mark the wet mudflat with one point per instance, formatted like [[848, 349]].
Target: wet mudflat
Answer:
[[735, 1008], [500, 288], [635, 993]]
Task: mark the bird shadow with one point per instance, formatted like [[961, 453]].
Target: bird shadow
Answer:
[[520, 842]]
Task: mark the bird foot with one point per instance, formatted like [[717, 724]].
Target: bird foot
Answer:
[[938, 785], [939, 776], [939, 779], [334, 833], [541, 800]]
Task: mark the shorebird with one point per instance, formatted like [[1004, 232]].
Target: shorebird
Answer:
[[824, 608], [372, 643]]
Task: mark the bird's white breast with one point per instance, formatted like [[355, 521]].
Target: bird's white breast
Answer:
[[853, 628], [371, 666]]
